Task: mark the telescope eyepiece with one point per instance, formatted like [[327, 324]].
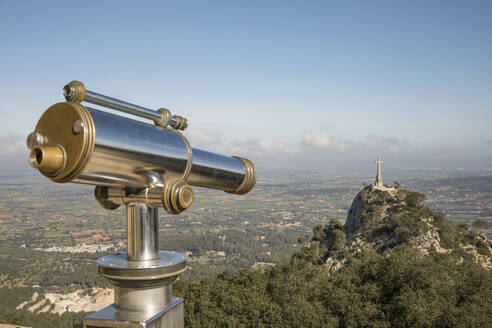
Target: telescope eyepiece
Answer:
[[50, 160]]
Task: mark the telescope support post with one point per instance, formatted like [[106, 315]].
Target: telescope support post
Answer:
[[142, 227], [142, 278]]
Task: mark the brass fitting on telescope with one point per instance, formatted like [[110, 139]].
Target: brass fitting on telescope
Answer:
[[177, 196], [50, 160], [165, 118], [181, 123], [74, 91], [106, 196], [174, 121], [62, 142], [250, 177]]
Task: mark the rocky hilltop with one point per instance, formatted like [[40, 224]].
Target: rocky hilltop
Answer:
[[381, 220]]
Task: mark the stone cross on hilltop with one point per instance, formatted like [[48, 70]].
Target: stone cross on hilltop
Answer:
[[378, 185], [379, 178]]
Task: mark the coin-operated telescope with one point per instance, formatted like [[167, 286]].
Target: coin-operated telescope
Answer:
[[142, 166]]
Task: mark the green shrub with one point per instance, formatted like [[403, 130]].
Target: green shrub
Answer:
[[482, 248]]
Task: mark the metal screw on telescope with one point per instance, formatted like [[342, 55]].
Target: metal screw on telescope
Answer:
[[77, 126], [142, 167]]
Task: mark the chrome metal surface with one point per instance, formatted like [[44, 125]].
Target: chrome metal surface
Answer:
[[170, 317], [148, 300], [122, 106], [215, 171], [142, 226], [168, 263], [126, 150]]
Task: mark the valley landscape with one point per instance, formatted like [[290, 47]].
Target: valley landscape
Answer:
[[51, 234]]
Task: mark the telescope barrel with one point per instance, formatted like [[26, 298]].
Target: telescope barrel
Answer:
[[110, 150], [74, 143], [127, 160], [130, 153]]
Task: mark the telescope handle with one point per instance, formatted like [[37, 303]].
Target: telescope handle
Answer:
[[75, 91]]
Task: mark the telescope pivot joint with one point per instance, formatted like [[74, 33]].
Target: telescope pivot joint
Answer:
[[176, 196]]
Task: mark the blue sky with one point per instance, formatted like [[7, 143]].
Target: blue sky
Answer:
[[327, 80]]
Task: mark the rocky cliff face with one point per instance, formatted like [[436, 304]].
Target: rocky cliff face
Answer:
[[353, 222]]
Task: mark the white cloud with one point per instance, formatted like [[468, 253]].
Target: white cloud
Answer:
[[311, 149], [213, 141], [311, 142], [318, 140], [13, 144], [201, 137], [326, 140], [386, 144]]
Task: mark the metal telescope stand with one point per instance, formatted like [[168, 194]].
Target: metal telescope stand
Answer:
[[142, 278], [142, 166]]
